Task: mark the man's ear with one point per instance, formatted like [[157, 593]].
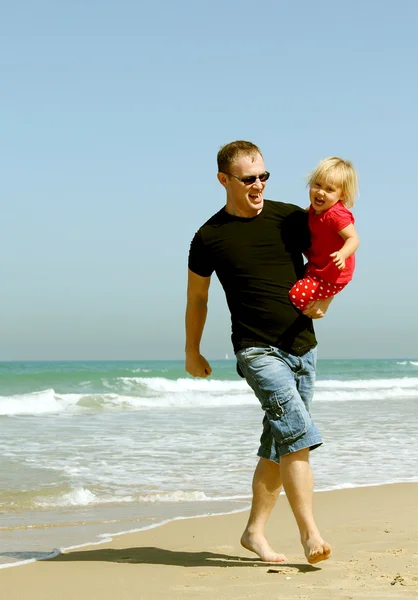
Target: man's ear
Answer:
[[223, 179]]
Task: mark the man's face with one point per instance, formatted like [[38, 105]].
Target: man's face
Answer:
[[243, 199]]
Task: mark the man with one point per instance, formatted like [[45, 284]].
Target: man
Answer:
[[255, 247]]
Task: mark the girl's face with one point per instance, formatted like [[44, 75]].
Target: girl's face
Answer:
[[324, 194]]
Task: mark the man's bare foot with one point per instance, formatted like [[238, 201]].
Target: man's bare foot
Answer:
[[316, 550], [258, 544]]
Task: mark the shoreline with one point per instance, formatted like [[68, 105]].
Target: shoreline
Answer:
[[373, 531], [108, 536]]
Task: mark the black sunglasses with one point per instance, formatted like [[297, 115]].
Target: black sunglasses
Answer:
[[250, 179]]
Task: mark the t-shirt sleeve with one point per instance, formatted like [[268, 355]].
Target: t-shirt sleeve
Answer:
[[199, 258], [341, 217]]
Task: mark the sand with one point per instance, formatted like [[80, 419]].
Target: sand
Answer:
[[373, 531]]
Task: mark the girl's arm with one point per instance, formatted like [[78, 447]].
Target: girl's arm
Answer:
[[351, 243]]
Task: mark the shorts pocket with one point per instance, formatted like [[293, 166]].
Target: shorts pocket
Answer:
[[287, 415]]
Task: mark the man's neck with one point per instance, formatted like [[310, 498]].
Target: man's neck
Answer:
[[235, 212]]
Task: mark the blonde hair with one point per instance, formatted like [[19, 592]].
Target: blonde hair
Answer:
[[342, 173]]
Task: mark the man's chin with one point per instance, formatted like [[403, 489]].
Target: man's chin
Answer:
[[257, 204]]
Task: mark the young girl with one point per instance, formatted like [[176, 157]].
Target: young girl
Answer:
[[331, 260]]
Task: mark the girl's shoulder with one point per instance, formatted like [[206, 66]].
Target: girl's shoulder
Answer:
[[339, 209], [340, 215]]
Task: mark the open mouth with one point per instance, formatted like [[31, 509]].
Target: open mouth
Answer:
[[256, 197]]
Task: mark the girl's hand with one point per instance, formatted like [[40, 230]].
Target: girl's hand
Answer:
[[338, 260]]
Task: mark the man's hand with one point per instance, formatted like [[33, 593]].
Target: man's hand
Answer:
[[317, 308], [197, 365], [338, 260]]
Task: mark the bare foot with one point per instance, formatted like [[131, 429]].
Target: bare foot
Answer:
[[316, 550], [258, 544]]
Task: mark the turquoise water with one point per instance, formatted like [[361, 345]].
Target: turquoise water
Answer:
[[92, 376], [94, 448]]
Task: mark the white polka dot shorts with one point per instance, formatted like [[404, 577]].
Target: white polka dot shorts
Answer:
[[312, 288]]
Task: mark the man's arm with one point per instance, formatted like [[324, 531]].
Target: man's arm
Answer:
[[196, 311]]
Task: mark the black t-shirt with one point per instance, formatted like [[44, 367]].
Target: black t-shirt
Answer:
[[257, 261]]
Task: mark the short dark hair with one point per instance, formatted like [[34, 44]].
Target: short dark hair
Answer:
[[229, 153]]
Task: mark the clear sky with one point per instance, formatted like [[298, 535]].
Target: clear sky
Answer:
[[112, 114]]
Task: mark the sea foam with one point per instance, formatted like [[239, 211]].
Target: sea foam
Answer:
[[135, 393]]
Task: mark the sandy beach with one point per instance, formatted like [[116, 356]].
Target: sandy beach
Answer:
[[373, 531]]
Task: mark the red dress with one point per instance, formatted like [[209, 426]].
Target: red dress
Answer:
[[322, 278]]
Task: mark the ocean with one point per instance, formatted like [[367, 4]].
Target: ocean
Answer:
[[91, 449]]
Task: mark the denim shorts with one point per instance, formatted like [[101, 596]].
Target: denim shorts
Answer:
[[284, 385]]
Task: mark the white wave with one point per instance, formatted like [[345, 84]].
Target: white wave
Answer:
[[408, 362], [193, 400], [180, 496], [84, 497], [352, 486], [31, 404], [158, 392], [400, 382], [161, 384], [177, 496], [366, 389], [79, 497], [38, 403], [48, 401], [395, 393]]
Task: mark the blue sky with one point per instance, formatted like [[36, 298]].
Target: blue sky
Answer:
[[112, 115]]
